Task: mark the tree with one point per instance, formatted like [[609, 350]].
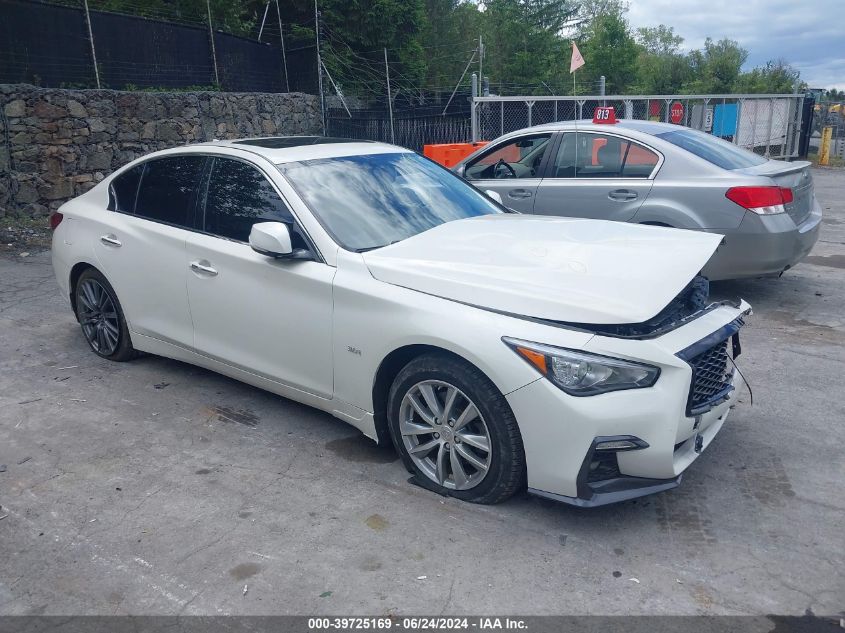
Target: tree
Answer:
[[590, 10], [355, 32], [523, 42], [717, 67], [776, 77], [833, 95], [610, 50], [662, 68]]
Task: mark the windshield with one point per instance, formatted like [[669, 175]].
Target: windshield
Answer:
[[712, 148], [370, 201]]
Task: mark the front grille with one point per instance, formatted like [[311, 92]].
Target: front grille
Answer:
[[711, 377]]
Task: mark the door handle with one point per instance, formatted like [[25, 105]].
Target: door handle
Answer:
[[203, 268], [110, 240], [519, 193], [622, 195]]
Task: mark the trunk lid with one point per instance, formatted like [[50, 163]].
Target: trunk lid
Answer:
[[561, 269], [796, 176]]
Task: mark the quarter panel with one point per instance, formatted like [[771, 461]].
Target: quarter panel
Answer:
[[691, 204]]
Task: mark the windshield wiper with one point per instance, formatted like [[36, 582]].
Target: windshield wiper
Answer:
[[372, 248]]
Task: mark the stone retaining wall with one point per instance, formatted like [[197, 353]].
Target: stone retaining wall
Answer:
[[56, 144]]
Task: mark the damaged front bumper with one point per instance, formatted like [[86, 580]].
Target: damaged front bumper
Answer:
[[569, 441]]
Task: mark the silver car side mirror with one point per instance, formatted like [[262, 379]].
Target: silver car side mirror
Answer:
[[494, 194], [271, 239], [460, 170]]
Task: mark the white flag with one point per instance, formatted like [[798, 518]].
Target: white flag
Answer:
[[577, 59]]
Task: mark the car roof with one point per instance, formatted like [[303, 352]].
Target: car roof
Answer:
[[284, 149], [646, 127]]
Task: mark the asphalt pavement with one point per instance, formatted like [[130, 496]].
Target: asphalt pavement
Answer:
[[154, 487]]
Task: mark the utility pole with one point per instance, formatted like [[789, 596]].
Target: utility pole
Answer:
[[602, 87], [320, 67], [389, 98], [93, 51], [282, 39], [213, 49]]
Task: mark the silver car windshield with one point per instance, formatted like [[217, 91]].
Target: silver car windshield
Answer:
[[370, 201], [712, 148]]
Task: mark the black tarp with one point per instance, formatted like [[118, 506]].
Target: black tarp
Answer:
[[44, 45], [48, 45]]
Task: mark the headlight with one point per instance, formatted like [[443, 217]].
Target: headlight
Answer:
[[583, 374]]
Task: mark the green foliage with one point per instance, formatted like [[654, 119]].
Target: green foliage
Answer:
[[833, 95], [716, 68], [662, 68], [527, 45], [522, 42], [776, 77], [610, 50]]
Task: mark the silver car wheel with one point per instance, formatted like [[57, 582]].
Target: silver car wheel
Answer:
[[445, 435]]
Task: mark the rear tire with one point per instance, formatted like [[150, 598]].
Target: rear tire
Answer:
[[101, 317], [455, 431]]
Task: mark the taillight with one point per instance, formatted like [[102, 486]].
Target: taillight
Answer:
[[55, 219], [762, 200]]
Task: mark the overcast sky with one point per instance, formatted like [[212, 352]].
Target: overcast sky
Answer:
[[809, 34]]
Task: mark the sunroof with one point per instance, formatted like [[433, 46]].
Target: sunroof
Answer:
[[283, 142]]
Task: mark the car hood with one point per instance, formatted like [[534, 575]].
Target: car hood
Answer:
[[561, 269]]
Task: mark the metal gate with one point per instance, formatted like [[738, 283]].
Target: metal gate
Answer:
[[767, 124]]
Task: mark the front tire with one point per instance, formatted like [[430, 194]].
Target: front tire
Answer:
[[101, 317], [455, 430]]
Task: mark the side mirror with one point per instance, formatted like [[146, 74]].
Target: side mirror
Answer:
[[494, 194], [271, 239], [460, 170]]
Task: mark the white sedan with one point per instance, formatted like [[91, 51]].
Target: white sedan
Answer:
[[577, 358]]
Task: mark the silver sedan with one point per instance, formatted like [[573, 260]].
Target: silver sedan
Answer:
[[656, 173]]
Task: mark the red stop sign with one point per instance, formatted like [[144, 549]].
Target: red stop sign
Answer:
[[676, 112]]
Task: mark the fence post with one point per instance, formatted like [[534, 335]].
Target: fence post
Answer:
[[282, 39], [91, 38], [473, 112], [213, 50], [319, 67]]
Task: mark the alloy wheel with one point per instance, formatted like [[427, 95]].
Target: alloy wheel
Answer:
[[445, 435], [98, 317]]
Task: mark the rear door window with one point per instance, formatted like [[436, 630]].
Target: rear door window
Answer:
[[169, 188], [239, 196], [124, 189]]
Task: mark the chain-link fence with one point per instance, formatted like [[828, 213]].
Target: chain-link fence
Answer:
[[766, 124], [411, 131]]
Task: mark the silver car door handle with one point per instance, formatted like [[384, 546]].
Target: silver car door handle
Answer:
[[622, 195], [519, 193], [110, 240], [202, 268]]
